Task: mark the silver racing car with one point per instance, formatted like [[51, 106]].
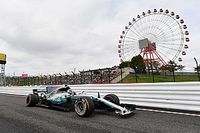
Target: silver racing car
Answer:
[[82, 103]]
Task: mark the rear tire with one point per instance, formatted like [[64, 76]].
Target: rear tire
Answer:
[[84, 107], [32, 100], [112, 98]]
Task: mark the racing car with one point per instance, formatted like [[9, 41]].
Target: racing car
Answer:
[[83, 104]]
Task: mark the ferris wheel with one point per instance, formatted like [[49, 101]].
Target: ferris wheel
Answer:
[[157, 35]]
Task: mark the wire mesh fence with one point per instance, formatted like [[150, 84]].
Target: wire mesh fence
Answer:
[[101, 76]]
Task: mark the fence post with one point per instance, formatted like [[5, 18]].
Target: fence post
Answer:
[[197, 68]]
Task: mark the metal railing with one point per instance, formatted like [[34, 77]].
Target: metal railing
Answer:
[[183, 96]]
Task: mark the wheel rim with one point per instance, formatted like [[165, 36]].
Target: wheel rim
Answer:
[[80, 107]]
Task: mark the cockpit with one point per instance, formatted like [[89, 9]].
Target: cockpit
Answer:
[[65, 89]]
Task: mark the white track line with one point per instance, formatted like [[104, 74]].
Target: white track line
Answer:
[[168, 112]]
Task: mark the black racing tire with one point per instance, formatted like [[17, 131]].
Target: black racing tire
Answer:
[[84, 106], [32, 100], [112, 98]]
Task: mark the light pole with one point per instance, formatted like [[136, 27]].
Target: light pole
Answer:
[[135, 69], [152, 72], [172, 69], [109, 71], [121, 74], [197, 68]]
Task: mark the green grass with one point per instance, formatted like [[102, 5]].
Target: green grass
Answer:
[[146, 78]]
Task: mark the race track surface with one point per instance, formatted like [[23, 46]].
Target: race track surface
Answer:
[[15, 117]]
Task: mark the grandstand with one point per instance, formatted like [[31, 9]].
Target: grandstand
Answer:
[[96, 76]]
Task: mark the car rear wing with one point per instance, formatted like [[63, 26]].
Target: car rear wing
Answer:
[[36, 91]]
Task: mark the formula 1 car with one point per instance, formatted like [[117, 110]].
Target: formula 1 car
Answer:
[[82, 103]]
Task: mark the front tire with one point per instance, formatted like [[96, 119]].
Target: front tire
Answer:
[[84, 107], [32, 100], [112, 98]]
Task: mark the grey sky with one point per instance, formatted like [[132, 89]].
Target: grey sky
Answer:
[[48, 36]]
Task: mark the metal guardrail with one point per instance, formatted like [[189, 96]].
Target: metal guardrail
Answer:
[[183, 96]]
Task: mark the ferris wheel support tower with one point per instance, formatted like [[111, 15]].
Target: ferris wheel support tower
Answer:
[[149, 53]]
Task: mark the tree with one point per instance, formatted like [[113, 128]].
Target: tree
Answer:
[[156, 65], [124, 64], [197, 68], [138, 64], [180, 67], [172, 66]]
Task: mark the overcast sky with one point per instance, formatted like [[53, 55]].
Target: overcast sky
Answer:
[[57, 36]]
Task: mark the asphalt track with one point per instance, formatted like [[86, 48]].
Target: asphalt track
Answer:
[[15, 117]]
